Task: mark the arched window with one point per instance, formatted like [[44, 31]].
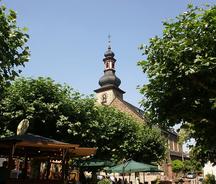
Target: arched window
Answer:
[[104, 98]]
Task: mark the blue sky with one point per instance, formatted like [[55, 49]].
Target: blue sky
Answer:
[[69, 37]]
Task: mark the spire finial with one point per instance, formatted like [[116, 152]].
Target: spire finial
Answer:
[[109, 52], [109, 41]]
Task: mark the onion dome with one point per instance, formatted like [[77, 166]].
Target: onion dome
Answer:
[[109, 78], [109, 52]]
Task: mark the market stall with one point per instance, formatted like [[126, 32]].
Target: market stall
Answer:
[[33, 151]]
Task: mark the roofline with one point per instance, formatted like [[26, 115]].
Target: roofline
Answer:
[[106, 87]]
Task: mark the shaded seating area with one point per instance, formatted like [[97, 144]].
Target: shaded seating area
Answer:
[[132, 166], [30, 154]]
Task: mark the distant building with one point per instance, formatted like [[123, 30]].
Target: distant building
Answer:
[[109, 94]]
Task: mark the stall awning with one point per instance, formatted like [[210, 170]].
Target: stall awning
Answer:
[[39, 146]]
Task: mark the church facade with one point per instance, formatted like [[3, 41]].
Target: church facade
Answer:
[[109, 94]]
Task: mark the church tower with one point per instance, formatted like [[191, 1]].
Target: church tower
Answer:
[[109, 94], [109, 82]]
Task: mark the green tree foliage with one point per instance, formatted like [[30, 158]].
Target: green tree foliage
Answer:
[[181, 67], [177, 166], [117, 136], [13, 52], [57, 111], [41, 101], [104, 181], [209, 179], [192, 165], [185, 166]]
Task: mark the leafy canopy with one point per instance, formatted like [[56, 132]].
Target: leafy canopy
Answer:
[[177, 166], [13, 49], [41, 101], [58, 112], [185, 166], [181, 67], [209, 179], [192, 165]]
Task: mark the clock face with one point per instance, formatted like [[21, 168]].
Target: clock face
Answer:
[[104, 98]]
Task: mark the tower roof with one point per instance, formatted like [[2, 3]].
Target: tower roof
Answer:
[[109, 52], [109, 77]]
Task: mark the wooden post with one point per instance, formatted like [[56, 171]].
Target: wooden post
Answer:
[[143, 177], [10, 158], [25, 167], [63, 164], [64, 154], [129, 177]]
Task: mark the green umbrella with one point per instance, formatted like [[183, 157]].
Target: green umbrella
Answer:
[[95, 163], [133, 166]]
